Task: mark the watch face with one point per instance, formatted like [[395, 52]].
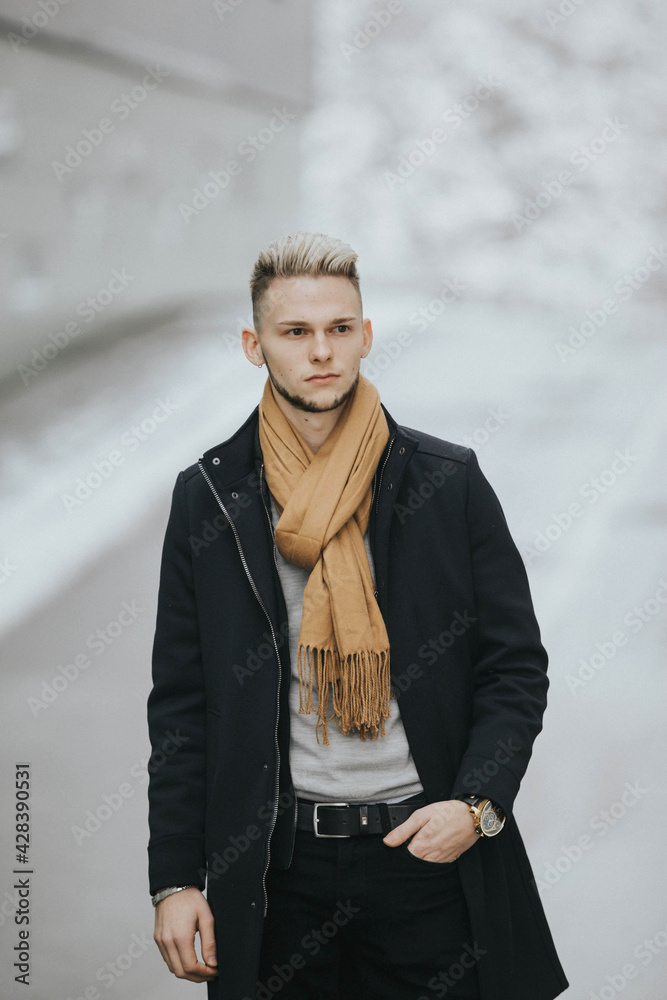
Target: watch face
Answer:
[[492, 820]]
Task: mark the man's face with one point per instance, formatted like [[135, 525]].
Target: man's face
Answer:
[[312, 326]]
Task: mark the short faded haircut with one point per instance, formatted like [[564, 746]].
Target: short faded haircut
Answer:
[[301, 254]]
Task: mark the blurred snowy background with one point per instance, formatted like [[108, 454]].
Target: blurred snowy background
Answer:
[[500, 169]]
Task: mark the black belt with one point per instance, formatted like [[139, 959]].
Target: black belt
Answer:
[[340, 819]]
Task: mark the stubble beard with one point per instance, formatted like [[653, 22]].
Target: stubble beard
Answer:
[[310, 406]]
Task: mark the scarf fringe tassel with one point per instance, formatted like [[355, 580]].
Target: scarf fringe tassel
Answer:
[[358, 682]]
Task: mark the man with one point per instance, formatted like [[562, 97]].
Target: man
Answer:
[[343, 617]]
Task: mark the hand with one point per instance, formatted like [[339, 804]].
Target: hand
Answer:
[[444, 830], [177, 917]]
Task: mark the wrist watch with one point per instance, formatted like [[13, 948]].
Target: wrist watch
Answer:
[[489, 818], [163, 893]]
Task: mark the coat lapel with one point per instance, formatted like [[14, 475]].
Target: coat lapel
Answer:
[[391, 468], [234, 469]]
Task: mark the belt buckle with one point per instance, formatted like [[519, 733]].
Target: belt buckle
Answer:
[[316, 819]]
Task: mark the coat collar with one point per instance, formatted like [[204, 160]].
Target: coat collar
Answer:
[[240, 455], [235, 469]]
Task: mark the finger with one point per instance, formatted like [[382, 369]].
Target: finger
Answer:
[[411, 825], [175, 929], [174, 960], [172, 957], [167, 947], [193, 969], [164, 953], [207, 939]]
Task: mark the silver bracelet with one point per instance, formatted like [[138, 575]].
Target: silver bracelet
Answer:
[[163, 893]]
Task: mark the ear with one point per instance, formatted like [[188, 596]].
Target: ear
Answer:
[[368, 337], [251, 345]]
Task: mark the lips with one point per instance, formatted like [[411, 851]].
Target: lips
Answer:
[[321, 378]]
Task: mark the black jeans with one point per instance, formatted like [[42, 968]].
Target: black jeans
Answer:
[[353, 918]]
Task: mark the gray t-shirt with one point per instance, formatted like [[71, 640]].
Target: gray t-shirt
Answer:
[[348, 770]]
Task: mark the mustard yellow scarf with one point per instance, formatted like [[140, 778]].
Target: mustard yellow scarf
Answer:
[[324, 502]]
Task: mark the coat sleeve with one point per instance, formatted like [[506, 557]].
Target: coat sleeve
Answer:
[[510, 670], [176, 712]]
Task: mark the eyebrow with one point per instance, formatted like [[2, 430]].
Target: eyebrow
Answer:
[[303, 322]]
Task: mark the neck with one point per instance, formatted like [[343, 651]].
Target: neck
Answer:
[[315, 428]]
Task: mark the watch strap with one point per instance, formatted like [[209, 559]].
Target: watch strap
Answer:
[[476, 804], [163, 893]]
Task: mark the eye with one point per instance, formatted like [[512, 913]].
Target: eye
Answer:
[[299, 329]]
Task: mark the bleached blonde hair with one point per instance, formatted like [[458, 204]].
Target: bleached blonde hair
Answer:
[[300, 254]]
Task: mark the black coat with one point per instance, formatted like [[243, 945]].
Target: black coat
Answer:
[[221, 796]]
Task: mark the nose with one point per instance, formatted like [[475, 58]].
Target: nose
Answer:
[[320, 348]]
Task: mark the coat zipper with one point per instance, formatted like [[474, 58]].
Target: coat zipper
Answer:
[[256, 593], [391, 445], [273, 535], [379, 485]]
